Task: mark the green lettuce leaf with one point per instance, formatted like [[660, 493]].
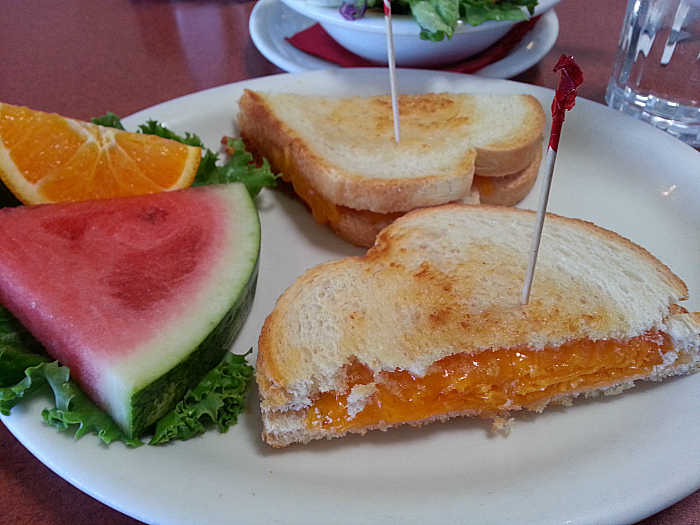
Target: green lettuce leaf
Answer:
[[14, 361], [34, 380], [217, 400], [240, 168], [18, 350], [75, 411], [476, 12], [438, 18], [109, 120], [73, 408], [152, 127]]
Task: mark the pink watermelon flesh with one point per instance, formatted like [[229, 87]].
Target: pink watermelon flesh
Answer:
[[140, 297]]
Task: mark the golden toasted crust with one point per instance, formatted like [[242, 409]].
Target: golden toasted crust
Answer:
[[345, 148], [515, 151], [286, 428], [509, 189], [360, 227], [448, 280]]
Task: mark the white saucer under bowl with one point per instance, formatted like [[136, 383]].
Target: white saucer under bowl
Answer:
[[271, 22]]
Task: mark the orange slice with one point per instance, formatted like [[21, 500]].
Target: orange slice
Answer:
[[45, 157]]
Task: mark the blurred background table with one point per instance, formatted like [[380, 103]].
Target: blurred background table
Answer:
[[82, 58]]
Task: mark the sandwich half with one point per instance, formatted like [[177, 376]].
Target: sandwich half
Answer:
[[341, 156], [428, 325]]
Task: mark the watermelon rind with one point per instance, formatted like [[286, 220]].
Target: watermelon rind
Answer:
[[197, 249], [140, 392], [155, 400]]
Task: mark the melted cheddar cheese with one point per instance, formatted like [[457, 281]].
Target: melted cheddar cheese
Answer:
[[484, 185], [487, 384], [323, 211]]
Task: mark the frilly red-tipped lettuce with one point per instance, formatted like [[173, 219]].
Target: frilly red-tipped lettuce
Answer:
[[438, 18]]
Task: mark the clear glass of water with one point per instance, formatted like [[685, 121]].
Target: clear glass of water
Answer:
[[656, 76]]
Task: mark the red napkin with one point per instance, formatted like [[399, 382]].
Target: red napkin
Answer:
[[316, 41]]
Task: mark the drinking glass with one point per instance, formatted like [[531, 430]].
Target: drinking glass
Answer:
[[656, 76]]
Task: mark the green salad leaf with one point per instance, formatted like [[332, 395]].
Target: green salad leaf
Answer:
[[74, 410], [217, 400], [438, 18], [19, 347], [239, 168], [109, 120], [14, 361], [476, 12]]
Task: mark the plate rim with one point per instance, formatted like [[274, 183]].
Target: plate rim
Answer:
[[680, 489]]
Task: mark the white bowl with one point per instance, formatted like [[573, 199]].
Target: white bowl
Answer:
[[366, 37]]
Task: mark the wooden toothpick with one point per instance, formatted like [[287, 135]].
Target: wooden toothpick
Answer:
[[392, 69], [564, 100]]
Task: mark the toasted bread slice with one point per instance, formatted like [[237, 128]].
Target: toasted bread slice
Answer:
[[509, 189], [428, 325], [360, 227], [344, 150]]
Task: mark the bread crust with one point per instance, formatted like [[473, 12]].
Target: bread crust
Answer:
[[514, 152], [509, 189], [439, 281], [361, 227], [445, 138], [285, 427]]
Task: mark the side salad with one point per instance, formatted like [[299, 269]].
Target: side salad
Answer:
[[438, 18], [26, 368]]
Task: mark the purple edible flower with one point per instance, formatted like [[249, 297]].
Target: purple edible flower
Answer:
[[350, 11]]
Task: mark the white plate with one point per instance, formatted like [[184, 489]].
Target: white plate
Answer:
[[609, 460], [271, 22]]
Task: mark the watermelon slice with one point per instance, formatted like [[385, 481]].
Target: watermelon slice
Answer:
[[139, 296]]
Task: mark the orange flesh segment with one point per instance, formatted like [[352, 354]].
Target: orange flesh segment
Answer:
[[25, 141], [488, 383], [52, 158]]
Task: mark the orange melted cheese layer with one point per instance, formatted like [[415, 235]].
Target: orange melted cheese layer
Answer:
[[486, 384], [323, 211]]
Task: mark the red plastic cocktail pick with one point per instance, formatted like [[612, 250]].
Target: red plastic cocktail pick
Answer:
[[564, 100], [565, 95]]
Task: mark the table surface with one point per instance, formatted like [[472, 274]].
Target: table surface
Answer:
[[82, 58]]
